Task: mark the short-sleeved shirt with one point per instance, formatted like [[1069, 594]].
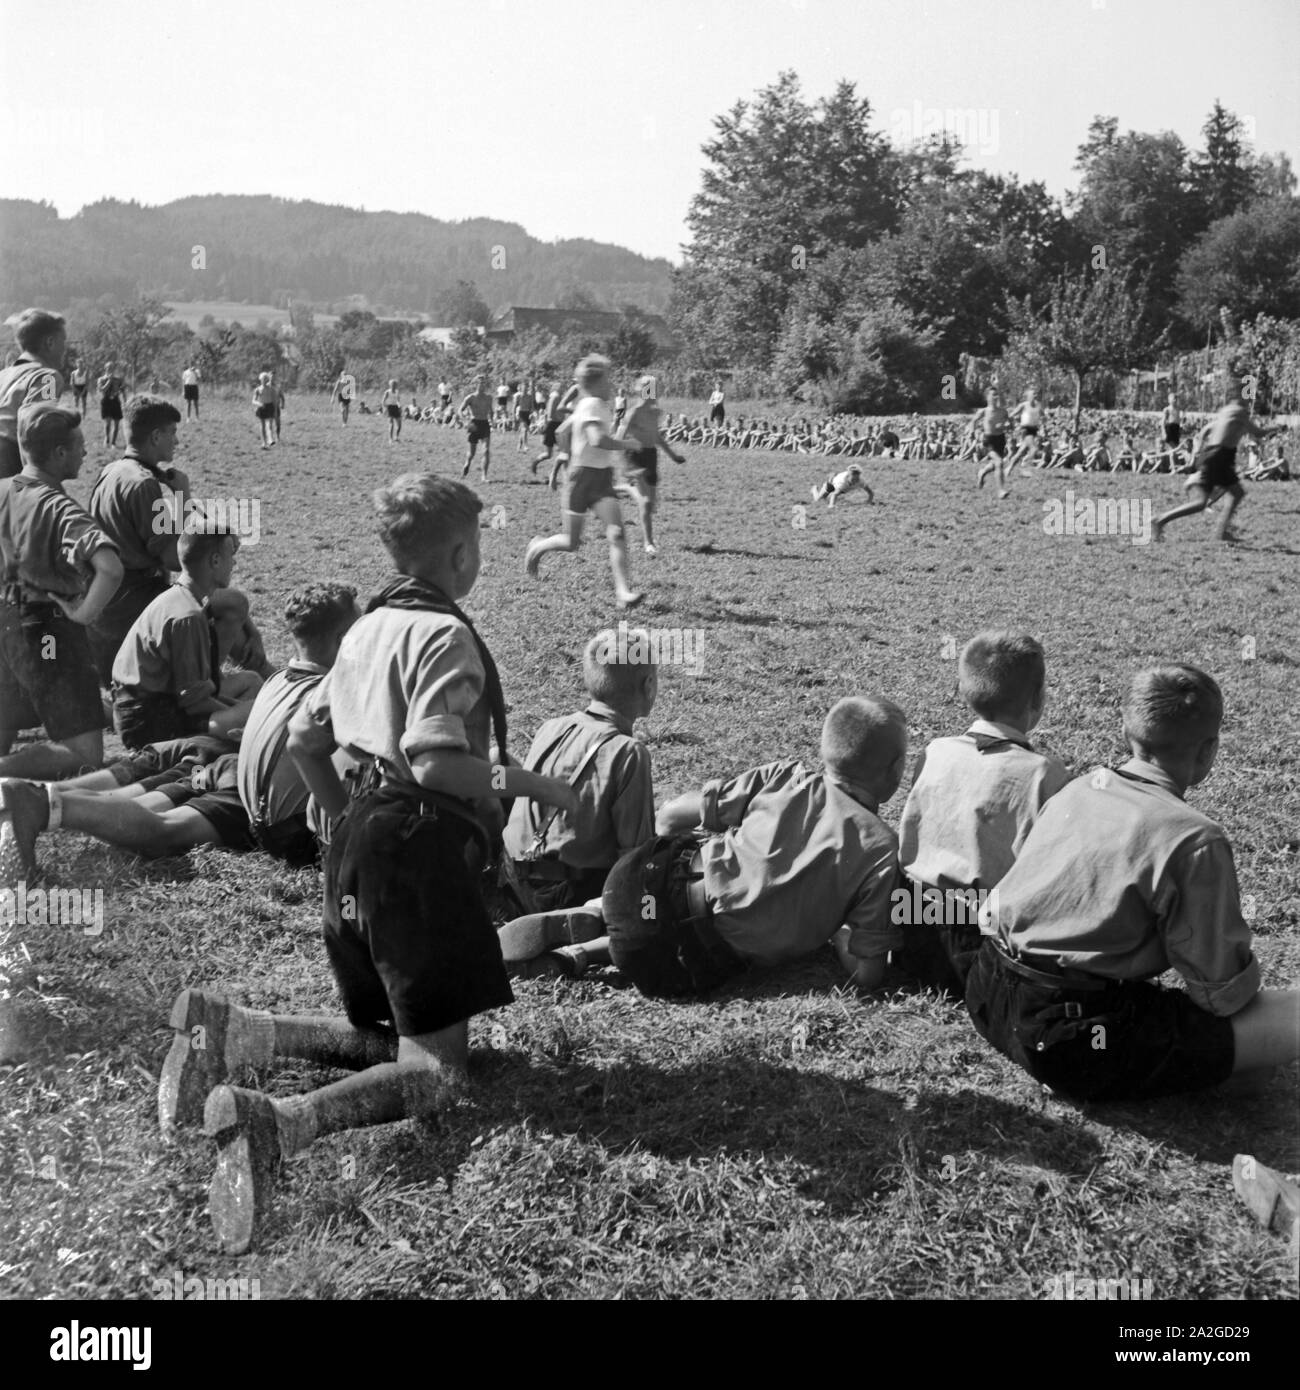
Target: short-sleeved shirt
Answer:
[[615, 797], [717, 398], [46, 540], [134, 507], [25, 383], [189, 377], [590, 409], [263, 767], [406, 682], [168, 650], [974, 799], [794, 855], [1119, 877]]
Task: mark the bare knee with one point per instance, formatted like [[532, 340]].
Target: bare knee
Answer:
[[614, 533]]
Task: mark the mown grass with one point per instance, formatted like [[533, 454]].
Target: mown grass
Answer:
[[785, 1138]]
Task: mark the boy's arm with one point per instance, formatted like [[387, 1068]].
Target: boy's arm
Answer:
[[680, 814], [662, 440], [1205, 936], [108, 569], [601, 439], [458, 773], [865, 974], [310, 745], [868, 935]]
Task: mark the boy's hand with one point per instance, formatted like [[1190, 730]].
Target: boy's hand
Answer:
[[557, 793]]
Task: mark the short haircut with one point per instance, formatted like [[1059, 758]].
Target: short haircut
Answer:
[[202, 538], [35, 325], [319, 610], [611, 671], [1172, 708], [419, 513], [1000, 672], [862, 735], [144, 414], [43, 428], [591, 370]]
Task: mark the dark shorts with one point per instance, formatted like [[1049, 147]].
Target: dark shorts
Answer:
[[147, 718], [996, 443], [1216, 467], [653, 937], [110, 407], [939, 955], [150, 765], [479, 432], [717, 415], [191, 393], [394, 412], [446, 400], [406, 930], [40, 689], [644, 464], [586, 487], [1029, 431], [1129, 1040], [548, 433], [525, 417], [1173, 434], [546, 885], [266, 412]]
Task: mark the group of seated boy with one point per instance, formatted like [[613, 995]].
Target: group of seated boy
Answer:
[[1048, 905]]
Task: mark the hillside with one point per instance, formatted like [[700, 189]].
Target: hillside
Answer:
[[267, 250]]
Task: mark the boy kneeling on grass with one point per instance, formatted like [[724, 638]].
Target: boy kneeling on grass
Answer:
[[973, 801], [415, 698], [758, 870], [557, 859], [1118, 881]]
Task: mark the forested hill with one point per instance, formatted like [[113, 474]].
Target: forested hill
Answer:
[[266, 250]]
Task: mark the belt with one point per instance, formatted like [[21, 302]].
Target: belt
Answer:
[[551, 869], [1053, 978]]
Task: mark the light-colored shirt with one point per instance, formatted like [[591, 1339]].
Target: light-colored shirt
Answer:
[[795, 855], [590, 410], [615, 796], [1119, 877], [25, 383], [406, 682], [168, 650], [46, 540], [190, 377], [971, 807]]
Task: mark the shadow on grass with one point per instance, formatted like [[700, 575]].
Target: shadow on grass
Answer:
[[854, 1141]]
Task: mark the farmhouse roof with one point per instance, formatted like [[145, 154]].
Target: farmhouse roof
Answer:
[[516, 318]]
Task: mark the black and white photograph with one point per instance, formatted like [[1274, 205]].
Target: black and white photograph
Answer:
[[650, 654]]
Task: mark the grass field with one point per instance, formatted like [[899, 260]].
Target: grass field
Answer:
[[785, 1138]]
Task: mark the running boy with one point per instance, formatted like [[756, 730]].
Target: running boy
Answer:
[[591, 481], [973, 800], [643, 429], [415, 698], [1118, 881], [994, 421], [111, 387], [479, 430], [391, 401], [1216, 463], [264, 404]]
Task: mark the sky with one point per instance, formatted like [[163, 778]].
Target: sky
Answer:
[[581, 120]]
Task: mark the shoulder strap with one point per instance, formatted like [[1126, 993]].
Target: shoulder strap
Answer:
[[540, 829], [258, 810]]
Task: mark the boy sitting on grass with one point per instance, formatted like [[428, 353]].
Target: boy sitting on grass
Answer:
[[167, 680], [758, 870], [414, 697], [558, 859], [973, 801], [1118, 881], [175, 796]]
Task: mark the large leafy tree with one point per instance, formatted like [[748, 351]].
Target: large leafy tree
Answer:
[[785, 181], [1248, 263], [1223, 173], [1138, 205]]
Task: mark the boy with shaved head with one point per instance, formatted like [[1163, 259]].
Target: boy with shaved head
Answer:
[[1118, 881], [764, 868]]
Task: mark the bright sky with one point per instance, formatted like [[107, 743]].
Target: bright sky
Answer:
[[581, 120]]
